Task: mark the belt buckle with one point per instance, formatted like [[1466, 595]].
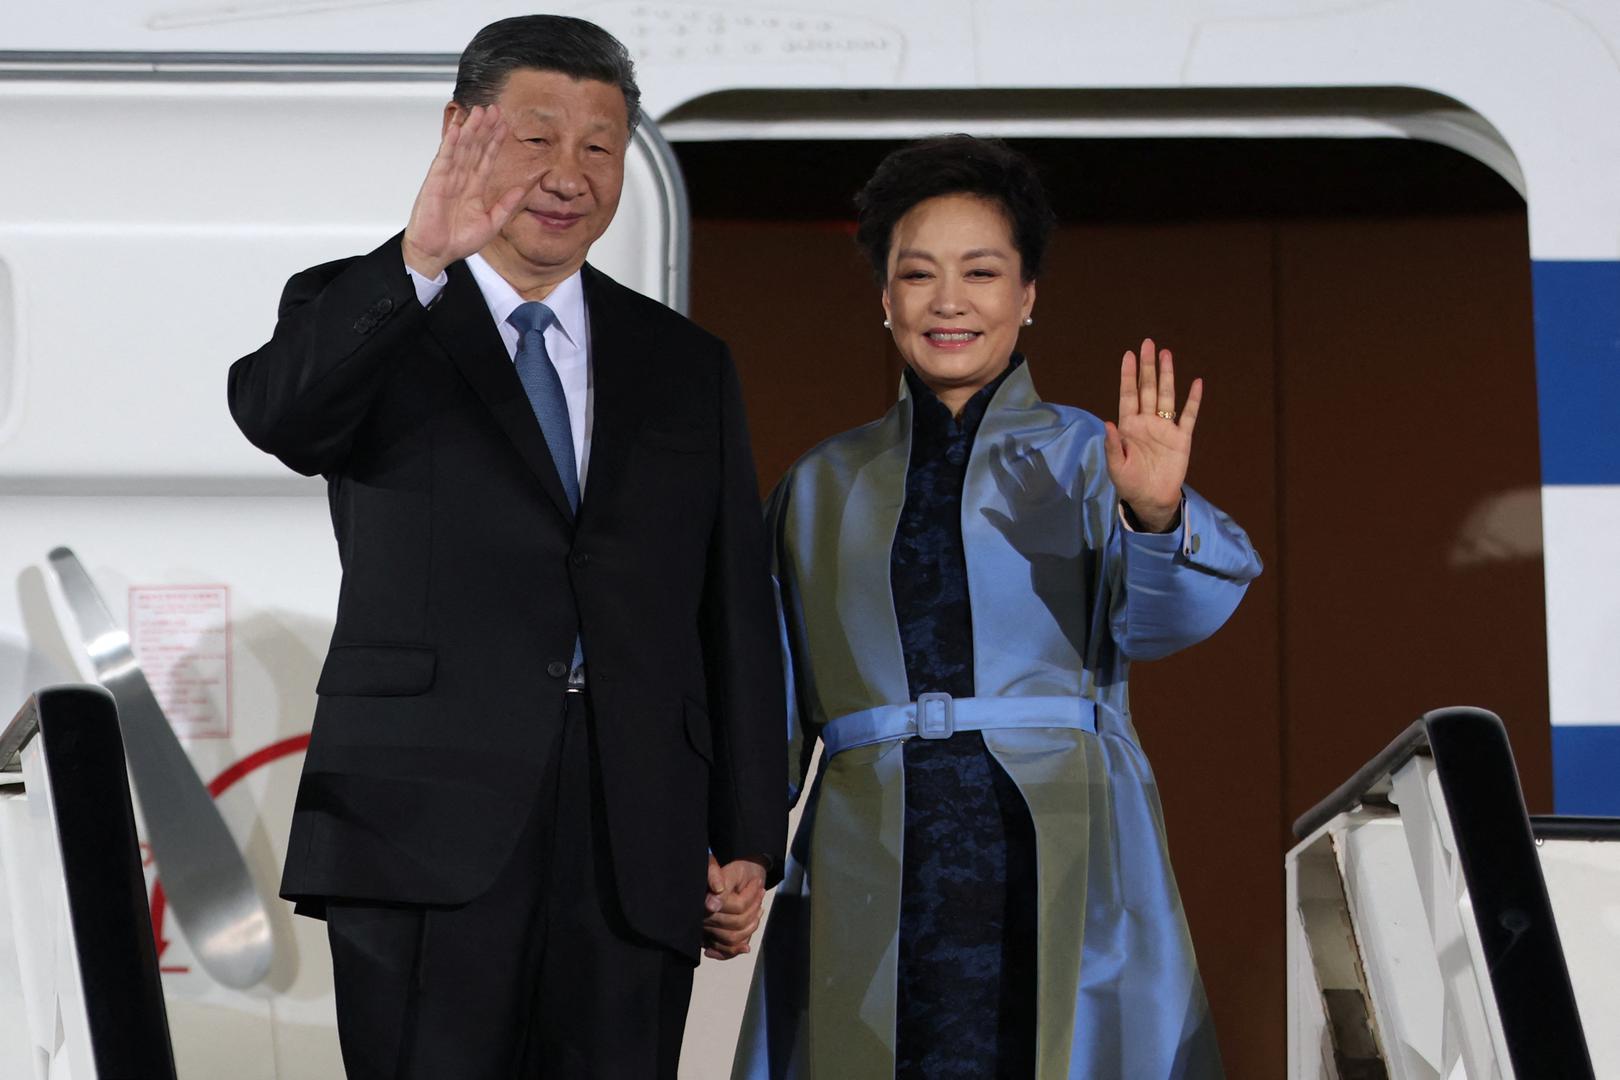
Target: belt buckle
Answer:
[[936, 716]]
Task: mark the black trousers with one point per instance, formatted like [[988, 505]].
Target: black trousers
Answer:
[[538, 977]]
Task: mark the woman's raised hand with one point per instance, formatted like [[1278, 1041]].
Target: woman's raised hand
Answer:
[[452, 216], [1149, 448]]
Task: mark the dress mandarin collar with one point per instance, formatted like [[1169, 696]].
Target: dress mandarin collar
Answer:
[[932, 420]]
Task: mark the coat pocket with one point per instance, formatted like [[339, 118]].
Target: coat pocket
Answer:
[[697, 730], [377, 670]]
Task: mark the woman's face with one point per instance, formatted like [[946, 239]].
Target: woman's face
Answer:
[[956, 295]]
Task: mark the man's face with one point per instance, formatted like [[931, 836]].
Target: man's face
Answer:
[[573, 134]]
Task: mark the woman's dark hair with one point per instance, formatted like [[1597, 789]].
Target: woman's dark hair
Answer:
[[954, 165], [573, 47]]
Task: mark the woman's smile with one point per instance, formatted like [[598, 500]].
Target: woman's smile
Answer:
[[942, 338]]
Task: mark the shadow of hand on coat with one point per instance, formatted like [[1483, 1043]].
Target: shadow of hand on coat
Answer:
[[1043, 524]]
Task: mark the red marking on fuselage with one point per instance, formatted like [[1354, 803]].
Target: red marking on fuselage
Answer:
[[220, 784]]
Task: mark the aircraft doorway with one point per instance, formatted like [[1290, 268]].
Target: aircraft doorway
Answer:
[[1360, 311]]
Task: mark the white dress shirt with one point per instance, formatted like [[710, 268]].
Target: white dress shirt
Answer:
[[568, 339]]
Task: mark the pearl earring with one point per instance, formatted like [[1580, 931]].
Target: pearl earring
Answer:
[[1029, 320], [887, 325]]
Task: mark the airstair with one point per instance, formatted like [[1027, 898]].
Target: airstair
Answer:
[[1438, 932], [80, 997]]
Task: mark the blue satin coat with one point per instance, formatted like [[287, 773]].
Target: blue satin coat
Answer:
[[1063, 599]]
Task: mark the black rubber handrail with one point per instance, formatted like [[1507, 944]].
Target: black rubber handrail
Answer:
[[1571, 827], [17, 734], [1372, 779], [101, 868]]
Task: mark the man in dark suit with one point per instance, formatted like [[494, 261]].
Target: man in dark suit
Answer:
[[553, 692]]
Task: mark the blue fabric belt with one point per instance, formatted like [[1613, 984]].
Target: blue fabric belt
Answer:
[[939, 716]]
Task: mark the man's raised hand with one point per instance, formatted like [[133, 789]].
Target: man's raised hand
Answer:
[[453, 216]]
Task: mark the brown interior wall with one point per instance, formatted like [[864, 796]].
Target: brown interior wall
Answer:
[[1406, 356], [1370, 382], [799, 309]]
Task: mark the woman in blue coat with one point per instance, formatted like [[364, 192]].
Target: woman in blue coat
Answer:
[[980, 886]]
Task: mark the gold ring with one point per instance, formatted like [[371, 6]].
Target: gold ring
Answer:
[[1166, 415]]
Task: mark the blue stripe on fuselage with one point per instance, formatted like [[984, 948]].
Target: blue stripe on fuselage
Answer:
[[1586, 769], [1577, 314]]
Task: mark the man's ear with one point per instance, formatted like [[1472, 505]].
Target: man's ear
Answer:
[[453, 114]]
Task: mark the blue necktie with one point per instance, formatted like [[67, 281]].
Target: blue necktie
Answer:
[[541, 382]]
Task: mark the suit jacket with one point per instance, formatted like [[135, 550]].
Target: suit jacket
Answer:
[[466, 578]]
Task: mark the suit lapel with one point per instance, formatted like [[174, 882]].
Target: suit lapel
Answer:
[[461, 322], [615, 354]]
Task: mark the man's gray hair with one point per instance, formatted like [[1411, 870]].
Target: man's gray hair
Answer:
[[572, 47]]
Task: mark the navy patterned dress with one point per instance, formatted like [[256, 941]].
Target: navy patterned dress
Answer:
[[966, 985]]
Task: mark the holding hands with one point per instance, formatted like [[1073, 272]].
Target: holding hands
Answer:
[[733, 908], [453, 216], [1148, 449]]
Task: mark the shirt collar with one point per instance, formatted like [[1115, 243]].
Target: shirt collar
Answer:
[[566, 301]]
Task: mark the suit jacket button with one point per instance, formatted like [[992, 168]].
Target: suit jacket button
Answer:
[[382, 307], [556, 669], [580, 558], [364, 324]]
